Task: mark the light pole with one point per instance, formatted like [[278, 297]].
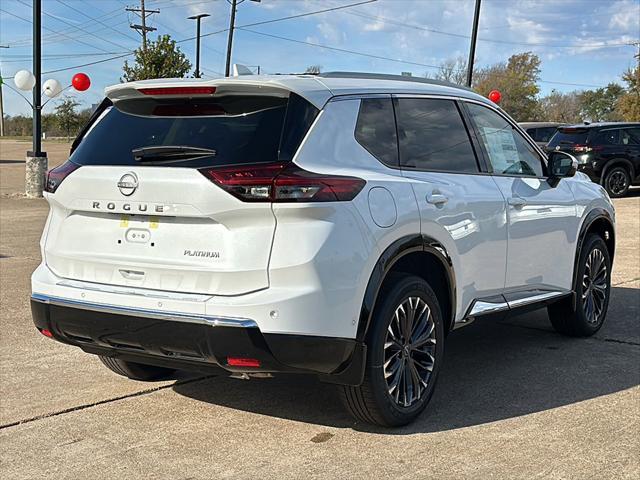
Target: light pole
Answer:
[[232, 25], [472, 48], [197, 18]]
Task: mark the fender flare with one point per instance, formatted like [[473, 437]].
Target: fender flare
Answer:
[[594, 215], [394, 252]]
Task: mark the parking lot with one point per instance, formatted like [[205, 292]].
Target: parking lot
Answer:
[[514, 400]]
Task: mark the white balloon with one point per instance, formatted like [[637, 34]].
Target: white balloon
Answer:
[[52, 88], [24, 80]]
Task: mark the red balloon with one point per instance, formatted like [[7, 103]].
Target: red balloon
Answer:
[[495, 96], [81, 82]]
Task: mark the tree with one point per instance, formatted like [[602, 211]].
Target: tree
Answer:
[[453, 70], [313, 69], [561, 107], [629, 104], [600, 105], [162, 59], [517, 80], [66, 115]]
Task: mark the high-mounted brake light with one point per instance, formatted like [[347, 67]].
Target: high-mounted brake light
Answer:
[[58, 174], [283, 182], [178, 91]]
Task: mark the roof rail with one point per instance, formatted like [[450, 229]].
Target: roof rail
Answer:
[[387, 76]]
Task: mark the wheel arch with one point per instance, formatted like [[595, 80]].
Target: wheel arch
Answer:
[[615, 162], [600, 222], [419, 255]]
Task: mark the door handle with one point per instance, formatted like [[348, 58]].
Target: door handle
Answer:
[[516, 202], [436, 198]]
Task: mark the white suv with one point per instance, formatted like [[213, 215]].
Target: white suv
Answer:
[[339, 225]]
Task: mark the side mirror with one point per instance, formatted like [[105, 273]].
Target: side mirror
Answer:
[[561, 165]]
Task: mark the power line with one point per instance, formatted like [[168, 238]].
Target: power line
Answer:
[[300, 15], [77, 27], [97, 20], [380, 57], [53, 37], [88, 64], [143, 29]]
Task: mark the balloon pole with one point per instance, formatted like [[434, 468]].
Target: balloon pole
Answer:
[[36, 161], [37, 108]]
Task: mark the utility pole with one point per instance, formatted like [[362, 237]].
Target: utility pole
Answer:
[[143, 13], [472, 48], [232, 25], [36, 162], [197, 18], [1, 105]]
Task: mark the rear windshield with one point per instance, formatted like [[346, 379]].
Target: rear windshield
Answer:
[[241, 129], [569, 137]]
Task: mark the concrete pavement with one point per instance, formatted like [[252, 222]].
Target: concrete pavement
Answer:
[[515, 400]]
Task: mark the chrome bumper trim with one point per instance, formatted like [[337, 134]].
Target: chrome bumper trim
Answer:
[[140, 312]]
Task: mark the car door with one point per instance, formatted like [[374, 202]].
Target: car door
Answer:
[[459, 207], [542, 221], [630, 138]]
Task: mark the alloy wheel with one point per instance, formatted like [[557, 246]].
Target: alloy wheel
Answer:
[[617, 182], [409, 351], [594, 286]]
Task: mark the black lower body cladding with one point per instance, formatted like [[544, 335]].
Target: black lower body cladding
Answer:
[[197, 346]]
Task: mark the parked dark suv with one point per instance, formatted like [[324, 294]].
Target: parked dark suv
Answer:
[[608, 152]]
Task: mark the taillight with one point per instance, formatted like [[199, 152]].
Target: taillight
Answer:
[[581, 148], [283, 182], [58, 174]]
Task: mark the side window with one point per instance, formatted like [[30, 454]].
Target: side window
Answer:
[[433, 136], [545, 134], [376, 130], [532, 132], [509, 152], [609, 137], [630, 136]]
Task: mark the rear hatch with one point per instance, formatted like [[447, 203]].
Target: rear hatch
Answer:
[[570, 139], [132, 206]]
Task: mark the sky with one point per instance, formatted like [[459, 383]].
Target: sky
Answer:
[[582, 44]]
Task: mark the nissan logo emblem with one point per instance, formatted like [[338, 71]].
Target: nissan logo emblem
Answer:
[[128, 184]]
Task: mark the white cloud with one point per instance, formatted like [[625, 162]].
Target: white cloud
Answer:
[[626, 16]]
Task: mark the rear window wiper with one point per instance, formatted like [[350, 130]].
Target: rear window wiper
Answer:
[[170, 153]]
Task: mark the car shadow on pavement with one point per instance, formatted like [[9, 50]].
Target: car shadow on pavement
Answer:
[[493, 371]]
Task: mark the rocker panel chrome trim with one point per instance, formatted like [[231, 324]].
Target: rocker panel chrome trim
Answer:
[[481, 307], [535, 298]]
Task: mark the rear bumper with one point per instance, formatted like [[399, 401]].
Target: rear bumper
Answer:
[[192, 342]]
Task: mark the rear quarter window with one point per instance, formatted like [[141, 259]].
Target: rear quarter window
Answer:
[[376, 130]]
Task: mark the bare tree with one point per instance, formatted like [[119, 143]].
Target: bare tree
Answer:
[[453, 70], [313, 69]]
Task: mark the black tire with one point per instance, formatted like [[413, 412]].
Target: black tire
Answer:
[[579, 320], [373, 402], [617, 181], [135, 371]]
